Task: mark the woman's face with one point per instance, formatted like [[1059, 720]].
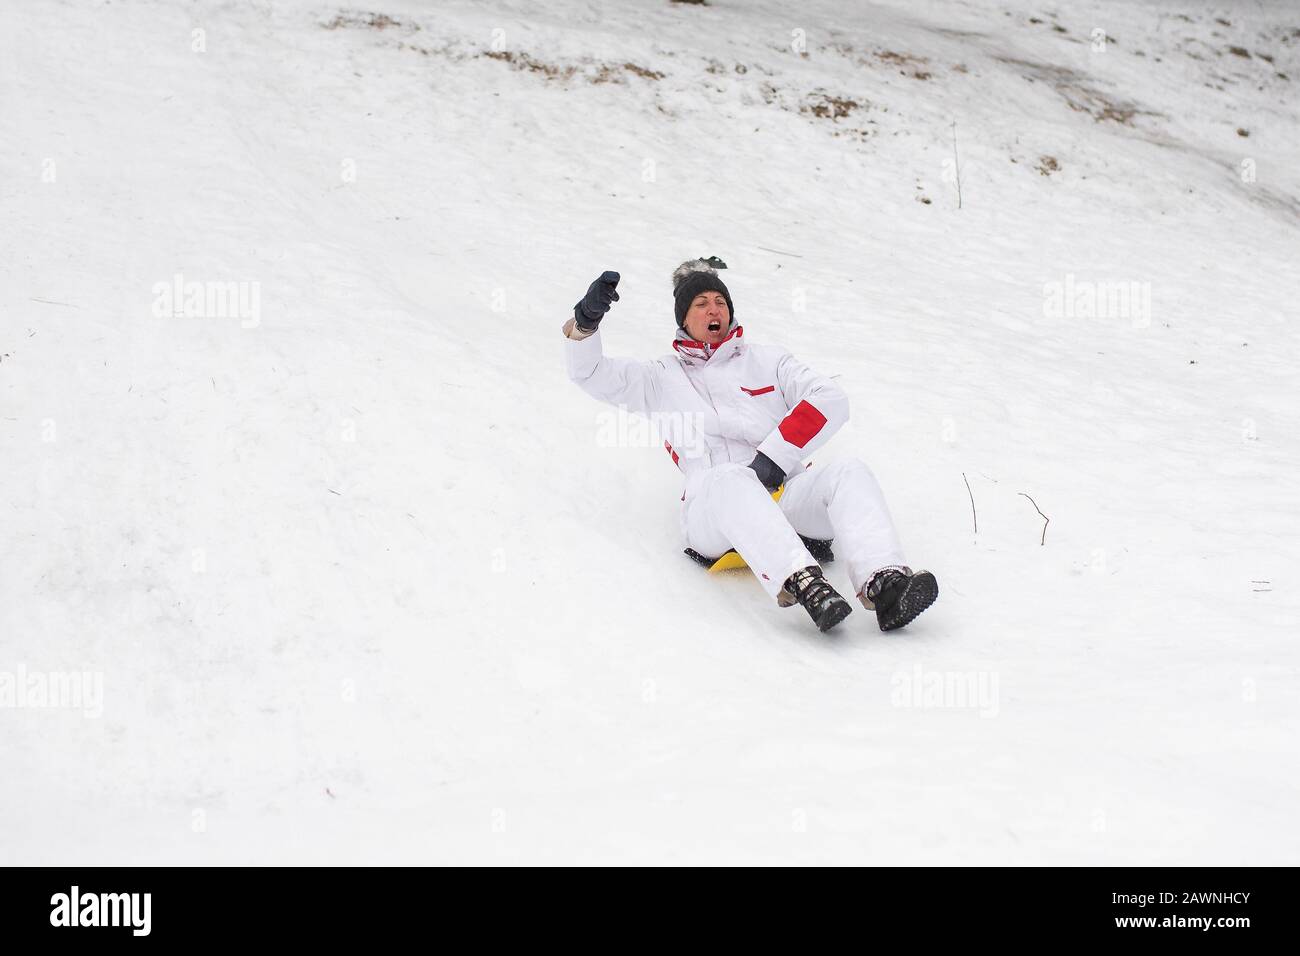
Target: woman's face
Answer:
[[708, 317]]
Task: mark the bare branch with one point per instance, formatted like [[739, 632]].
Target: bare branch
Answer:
[[972, 504], [1046, 520], [956, 165]]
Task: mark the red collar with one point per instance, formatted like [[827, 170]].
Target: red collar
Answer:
[[706, 348]]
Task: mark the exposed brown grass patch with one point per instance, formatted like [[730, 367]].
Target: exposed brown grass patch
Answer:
[[900, 59], [372, 21], [826, 106], [523, 61], [644, 72], [1079, 94], [604, 72]]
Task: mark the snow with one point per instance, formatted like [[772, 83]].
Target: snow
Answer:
[[362, 584]]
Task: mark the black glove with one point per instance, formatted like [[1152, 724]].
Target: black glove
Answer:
[[768, 471], [588, 313]]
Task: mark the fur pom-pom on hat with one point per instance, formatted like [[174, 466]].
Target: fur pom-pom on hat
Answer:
[[683, 271]]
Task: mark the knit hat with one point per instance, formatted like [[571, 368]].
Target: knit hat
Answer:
[[693, 277]]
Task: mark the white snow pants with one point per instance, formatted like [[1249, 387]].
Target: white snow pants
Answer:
[[727, 507]]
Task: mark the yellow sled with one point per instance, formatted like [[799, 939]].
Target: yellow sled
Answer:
[[731, 561]]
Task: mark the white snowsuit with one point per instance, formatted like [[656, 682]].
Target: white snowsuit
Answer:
[[717, 406]]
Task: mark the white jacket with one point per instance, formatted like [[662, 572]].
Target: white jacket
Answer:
[[717, 404]]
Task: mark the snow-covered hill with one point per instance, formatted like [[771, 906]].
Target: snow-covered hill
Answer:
[[363, 578]]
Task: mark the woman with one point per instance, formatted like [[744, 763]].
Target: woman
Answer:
[[740, 420]]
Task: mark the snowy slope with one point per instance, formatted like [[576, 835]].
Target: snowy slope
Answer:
[[362, 577]]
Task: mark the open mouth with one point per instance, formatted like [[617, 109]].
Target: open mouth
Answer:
[[715, 326]]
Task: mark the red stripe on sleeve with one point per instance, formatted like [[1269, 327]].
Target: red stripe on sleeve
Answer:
[[802, 424]]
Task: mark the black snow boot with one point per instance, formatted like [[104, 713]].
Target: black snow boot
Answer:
[[898, 596], [809, 588]]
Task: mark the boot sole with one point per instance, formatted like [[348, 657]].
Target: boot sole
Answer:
[[922, 590], [837, 612]]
